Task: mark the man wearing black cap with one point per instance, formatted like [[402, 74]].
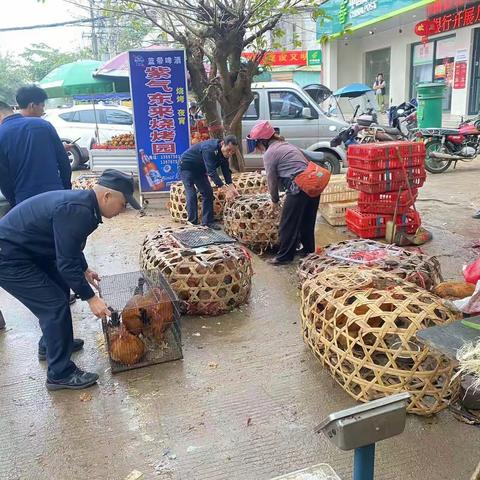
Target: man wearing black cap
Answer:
[[41, 259]]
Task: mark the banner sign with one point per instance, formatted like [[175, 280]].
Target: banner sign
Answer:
[[456, 19], [289, 58], [355, 14], [158, 83]]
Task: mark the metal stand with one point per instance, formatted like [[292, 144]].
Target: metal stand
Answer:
[[364, 462]]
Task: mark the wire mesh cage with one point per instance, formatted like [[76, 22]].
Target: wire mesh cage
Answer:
[[144, 328], [85, 182], [412, 266], [210, 280], [361, 324], [252, 221], [246, 183]]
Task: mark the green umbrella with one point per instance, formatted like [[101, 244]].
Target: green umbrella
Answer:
[[75, 79]]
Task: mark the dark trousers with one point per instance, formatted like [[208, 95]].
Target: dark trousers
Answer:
[[297, 224], [40, 287], [193, 181]]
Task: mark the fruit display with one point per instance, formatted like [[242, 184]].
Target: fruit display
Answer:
[[199, 133], [125, 141]]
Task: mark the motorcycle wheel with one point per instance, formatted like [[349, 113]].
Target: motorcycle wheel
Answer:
[[433, 165]]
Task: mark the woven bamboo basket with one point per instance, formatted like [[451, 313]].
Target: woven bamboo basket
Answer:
[[251, 220], [246, 183], [211, 281], [414, 267], [85, 182], [361, 324], [337, 190]]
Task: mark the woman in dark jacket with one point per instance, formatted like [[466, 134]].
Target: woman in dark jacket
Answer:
[[283, 162]]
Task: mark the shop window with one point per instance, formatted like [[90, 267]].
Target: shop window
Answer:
[[434, 62]]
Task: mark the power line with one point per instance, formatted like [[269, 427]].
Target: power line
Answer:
[[49, 25]]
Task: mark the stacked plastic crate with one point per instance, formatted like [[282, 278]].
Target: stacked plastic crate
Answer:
[[388, 176], [336, 199]]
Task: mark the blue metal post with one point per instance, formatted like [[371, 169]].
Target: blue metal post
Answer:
[[364, 462]]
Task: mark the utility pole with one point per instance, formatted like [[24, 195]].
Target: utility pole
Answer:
[[94, 31]]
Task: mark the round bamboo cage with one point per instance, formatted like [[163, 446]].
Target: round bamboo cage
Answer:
[[210, 282], [361, 324], [251, 220], [246, 183], [84, 182], [411, 266]]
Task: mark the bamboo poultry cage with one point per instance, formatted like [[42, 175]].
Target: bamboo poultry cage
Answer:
[[361, 324], [210, 280]]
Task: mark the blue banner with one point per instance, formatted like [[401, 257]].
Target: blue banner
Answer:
[[158, 83]]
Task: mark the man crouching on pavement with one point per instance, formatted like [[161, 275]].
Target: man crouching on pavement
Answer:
[[41, 259]]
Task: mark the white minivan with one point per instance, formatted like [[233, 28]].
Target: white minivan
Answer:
[[299, 118]]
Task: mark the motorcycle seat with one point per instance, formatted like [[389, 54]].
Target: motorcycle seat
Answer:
[[390, 130]]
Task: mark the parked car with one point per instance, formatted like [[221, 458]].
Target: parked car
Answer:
[[298, 117], [78, 122]]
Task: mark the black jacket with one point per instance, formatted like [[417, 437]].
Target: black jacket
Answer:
[[206, 157], [53, 226]]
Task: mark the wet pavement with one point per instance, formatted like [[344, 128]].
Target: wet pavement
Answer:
[[243, 403]]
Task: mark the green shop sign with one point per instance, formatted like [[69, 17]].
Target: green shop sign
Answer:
[[355, 14], [314, 58]]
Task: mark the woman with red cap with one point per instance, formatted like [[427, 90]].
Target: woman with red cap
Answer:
[[283, 162]]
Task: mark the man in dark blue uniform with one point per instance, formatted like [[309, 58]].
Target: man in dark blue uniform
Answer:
[[41, 259], [196, 165], [32, 157]]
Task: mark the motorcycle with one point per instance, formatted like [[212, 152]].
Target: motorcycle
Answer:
[[366, 130], [444, 146], [404, 118]]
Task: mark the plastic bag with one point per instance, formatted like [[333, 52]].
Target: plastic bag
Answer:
[[471, 272]]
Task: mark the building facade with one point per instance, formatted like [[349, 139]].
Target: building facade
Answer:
[[367, 37]]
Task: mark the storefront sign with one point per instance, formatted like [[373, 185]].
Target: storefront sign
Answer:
[[460, 78], [453, 20], [288, 58], [158, 83], [355, 14]]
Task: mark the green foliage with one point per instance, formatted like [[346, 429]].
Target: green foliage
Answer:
[[40, 59], [11, 77]]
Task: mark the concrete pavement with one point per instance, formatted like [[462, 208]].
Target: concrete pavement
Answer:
[[242, 404]]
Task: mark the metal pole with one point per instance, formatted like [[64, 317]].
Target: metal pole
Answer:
[[364, 463]]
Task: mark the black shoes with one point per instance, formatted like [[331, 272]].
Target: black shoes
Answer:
[[275, 261], [77, 345], [76, 381], [214, 226], [477, 215], [73, 299]]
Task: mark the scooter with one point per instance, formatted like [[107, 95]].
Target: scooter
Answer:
[[445, 145], [404, 118]]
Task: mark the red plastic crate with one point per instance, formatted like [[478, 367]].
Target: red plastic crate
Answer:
[[383, 156], [386, 202], [387, 180], [367, 225]]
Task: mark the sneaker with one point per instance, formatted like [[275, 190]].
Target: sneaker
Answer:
[[73, 299], [77, 345], [76, 381], [214, 226]]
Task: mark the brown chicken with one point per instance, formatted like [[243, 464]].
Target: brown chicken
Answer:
[[126, 348], [134, 314], [454, 289], [160, 313]]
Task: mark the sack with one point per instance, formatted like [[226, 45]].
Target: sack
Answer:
[[313, 179]]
